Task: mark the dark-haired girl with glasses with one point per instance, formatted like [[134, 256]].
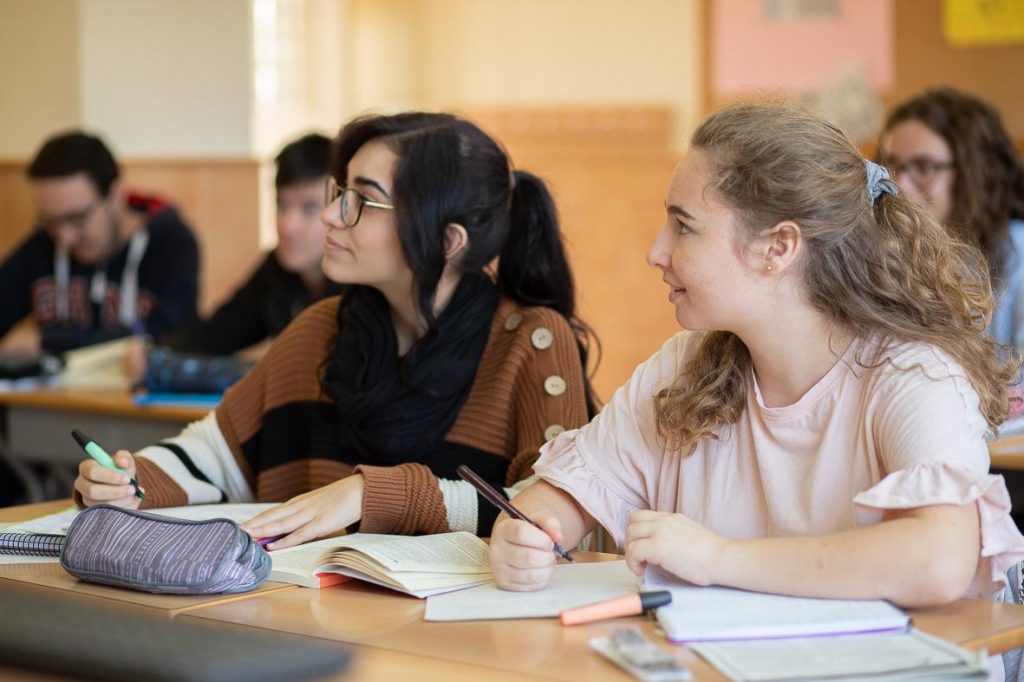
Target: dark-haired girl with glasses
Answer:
[[362, 409], [950, 154]]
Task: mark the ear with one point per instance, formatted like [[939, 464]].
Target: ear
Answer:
[[779, 247], [116, 195], [456, 239]]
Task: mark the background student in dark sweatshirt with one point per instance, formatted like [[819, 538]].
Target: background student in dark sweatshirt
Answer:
[[103, 263], [287, 280]]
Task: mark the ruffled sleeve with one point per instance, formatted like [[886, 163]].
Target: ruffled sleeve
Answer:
[[934, 483], [611, 466], [564, 466]]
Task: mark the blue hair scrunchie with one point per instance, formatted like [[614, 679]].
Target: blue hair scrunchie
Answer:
[[878, 181]]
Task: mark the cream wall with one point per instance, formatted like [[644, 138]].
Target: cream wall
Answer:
[[155, 78], [467, 53], [168, 78], [386, 43], [38, 72]]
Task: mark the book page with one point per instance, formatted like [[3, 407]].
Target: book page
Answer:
[[459, 552], [414, 584], [571, 585], [879, 655], [51, 524], [57, 524], [239, 513], [711, 613], [295, 564]]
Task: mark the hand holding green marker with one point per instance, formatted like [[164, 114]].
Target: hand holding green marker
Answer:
[[93, 449]]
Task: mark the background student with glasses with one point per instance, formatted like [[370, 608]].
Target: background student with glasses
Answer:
[[950, 154], [364, 406], [103, 262]]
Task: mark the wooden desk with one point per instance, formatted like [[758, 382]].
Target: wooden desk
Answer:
[[1007, 453], [369, 665], [37, 427], [370, 616], [51, 575], [391, 640]]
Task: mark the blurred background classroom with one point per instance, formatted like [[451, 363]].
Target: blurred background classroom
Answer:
[[599, 97]]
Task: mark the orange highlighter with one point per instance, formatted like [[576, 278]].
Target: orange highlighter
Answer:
[[629, 605]]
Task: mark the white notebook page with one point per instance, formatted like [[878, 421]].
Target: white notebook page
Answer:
[[720, 613], [572, 585]]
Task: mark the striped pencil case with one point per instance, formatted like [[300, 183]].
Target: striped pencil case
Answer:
[[152, 553]]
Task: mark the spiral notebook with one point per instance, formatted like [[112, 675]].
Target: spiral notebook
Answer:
[[30, 544], [44, 536]]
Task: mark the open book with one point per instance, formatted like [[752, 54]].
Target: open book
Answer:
[[420, 566], [97, 366]]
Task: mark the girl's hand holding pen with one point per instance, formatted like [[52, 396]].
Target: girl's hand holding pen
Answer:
[[522, 556], [99, 485]]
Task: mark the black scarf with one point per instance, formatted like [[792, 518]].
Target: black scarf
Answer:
[[394, 410]]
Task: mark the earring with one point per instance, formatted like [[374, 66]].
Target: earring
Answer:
[[768, 269]]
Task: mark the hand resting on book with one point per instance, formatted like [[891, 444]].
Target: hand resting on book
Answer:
[[319, 513]]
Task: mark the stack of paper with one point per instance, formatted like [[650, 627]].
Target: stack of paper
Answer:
[[876, 657], [99, 366]]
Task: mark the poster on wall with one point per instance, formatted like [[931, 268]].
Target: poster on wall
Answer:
[[968, 23], [795, 46], [834, 56]]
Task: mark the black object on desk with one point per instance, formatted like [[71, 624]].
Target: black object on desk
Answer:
[[90, 640], [24, 365]]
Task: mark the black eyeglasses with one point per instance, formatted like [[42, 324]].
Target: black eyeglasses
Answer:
[[921, 170], [76, 220], [352, 202]]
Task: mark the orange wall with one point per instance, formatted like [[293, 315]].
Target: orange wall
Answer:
[[924, 59]]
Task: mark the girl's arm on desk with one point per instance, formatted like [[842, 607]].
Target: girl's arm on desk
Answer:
[[923, 556], [918, 557]]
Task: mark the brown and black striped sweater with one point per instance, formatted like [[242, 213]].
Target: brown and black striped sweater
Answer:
[[274, 435]]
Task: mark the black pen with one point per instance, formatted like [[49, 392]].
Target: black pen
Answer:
[[496, 498]]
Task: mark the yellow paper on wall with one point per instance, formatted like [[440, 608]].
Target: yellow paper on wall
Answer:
[[983, 22]]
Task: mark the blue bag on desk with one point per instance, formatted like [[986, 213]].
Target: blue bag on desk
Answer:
[[152, 553]]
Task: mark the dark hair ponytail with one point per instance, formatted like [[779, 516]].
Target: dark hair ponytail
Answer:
[[533, 268]]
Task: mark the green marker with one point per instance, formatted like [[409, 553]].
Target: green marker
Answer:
[[93, 449]]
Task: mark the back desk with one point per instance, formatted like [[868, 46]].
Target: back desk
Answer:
[[390, 638], [37, 425]]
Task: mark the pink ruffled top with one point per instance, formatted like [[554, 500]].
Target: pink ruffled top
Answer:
[[905, 434]]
